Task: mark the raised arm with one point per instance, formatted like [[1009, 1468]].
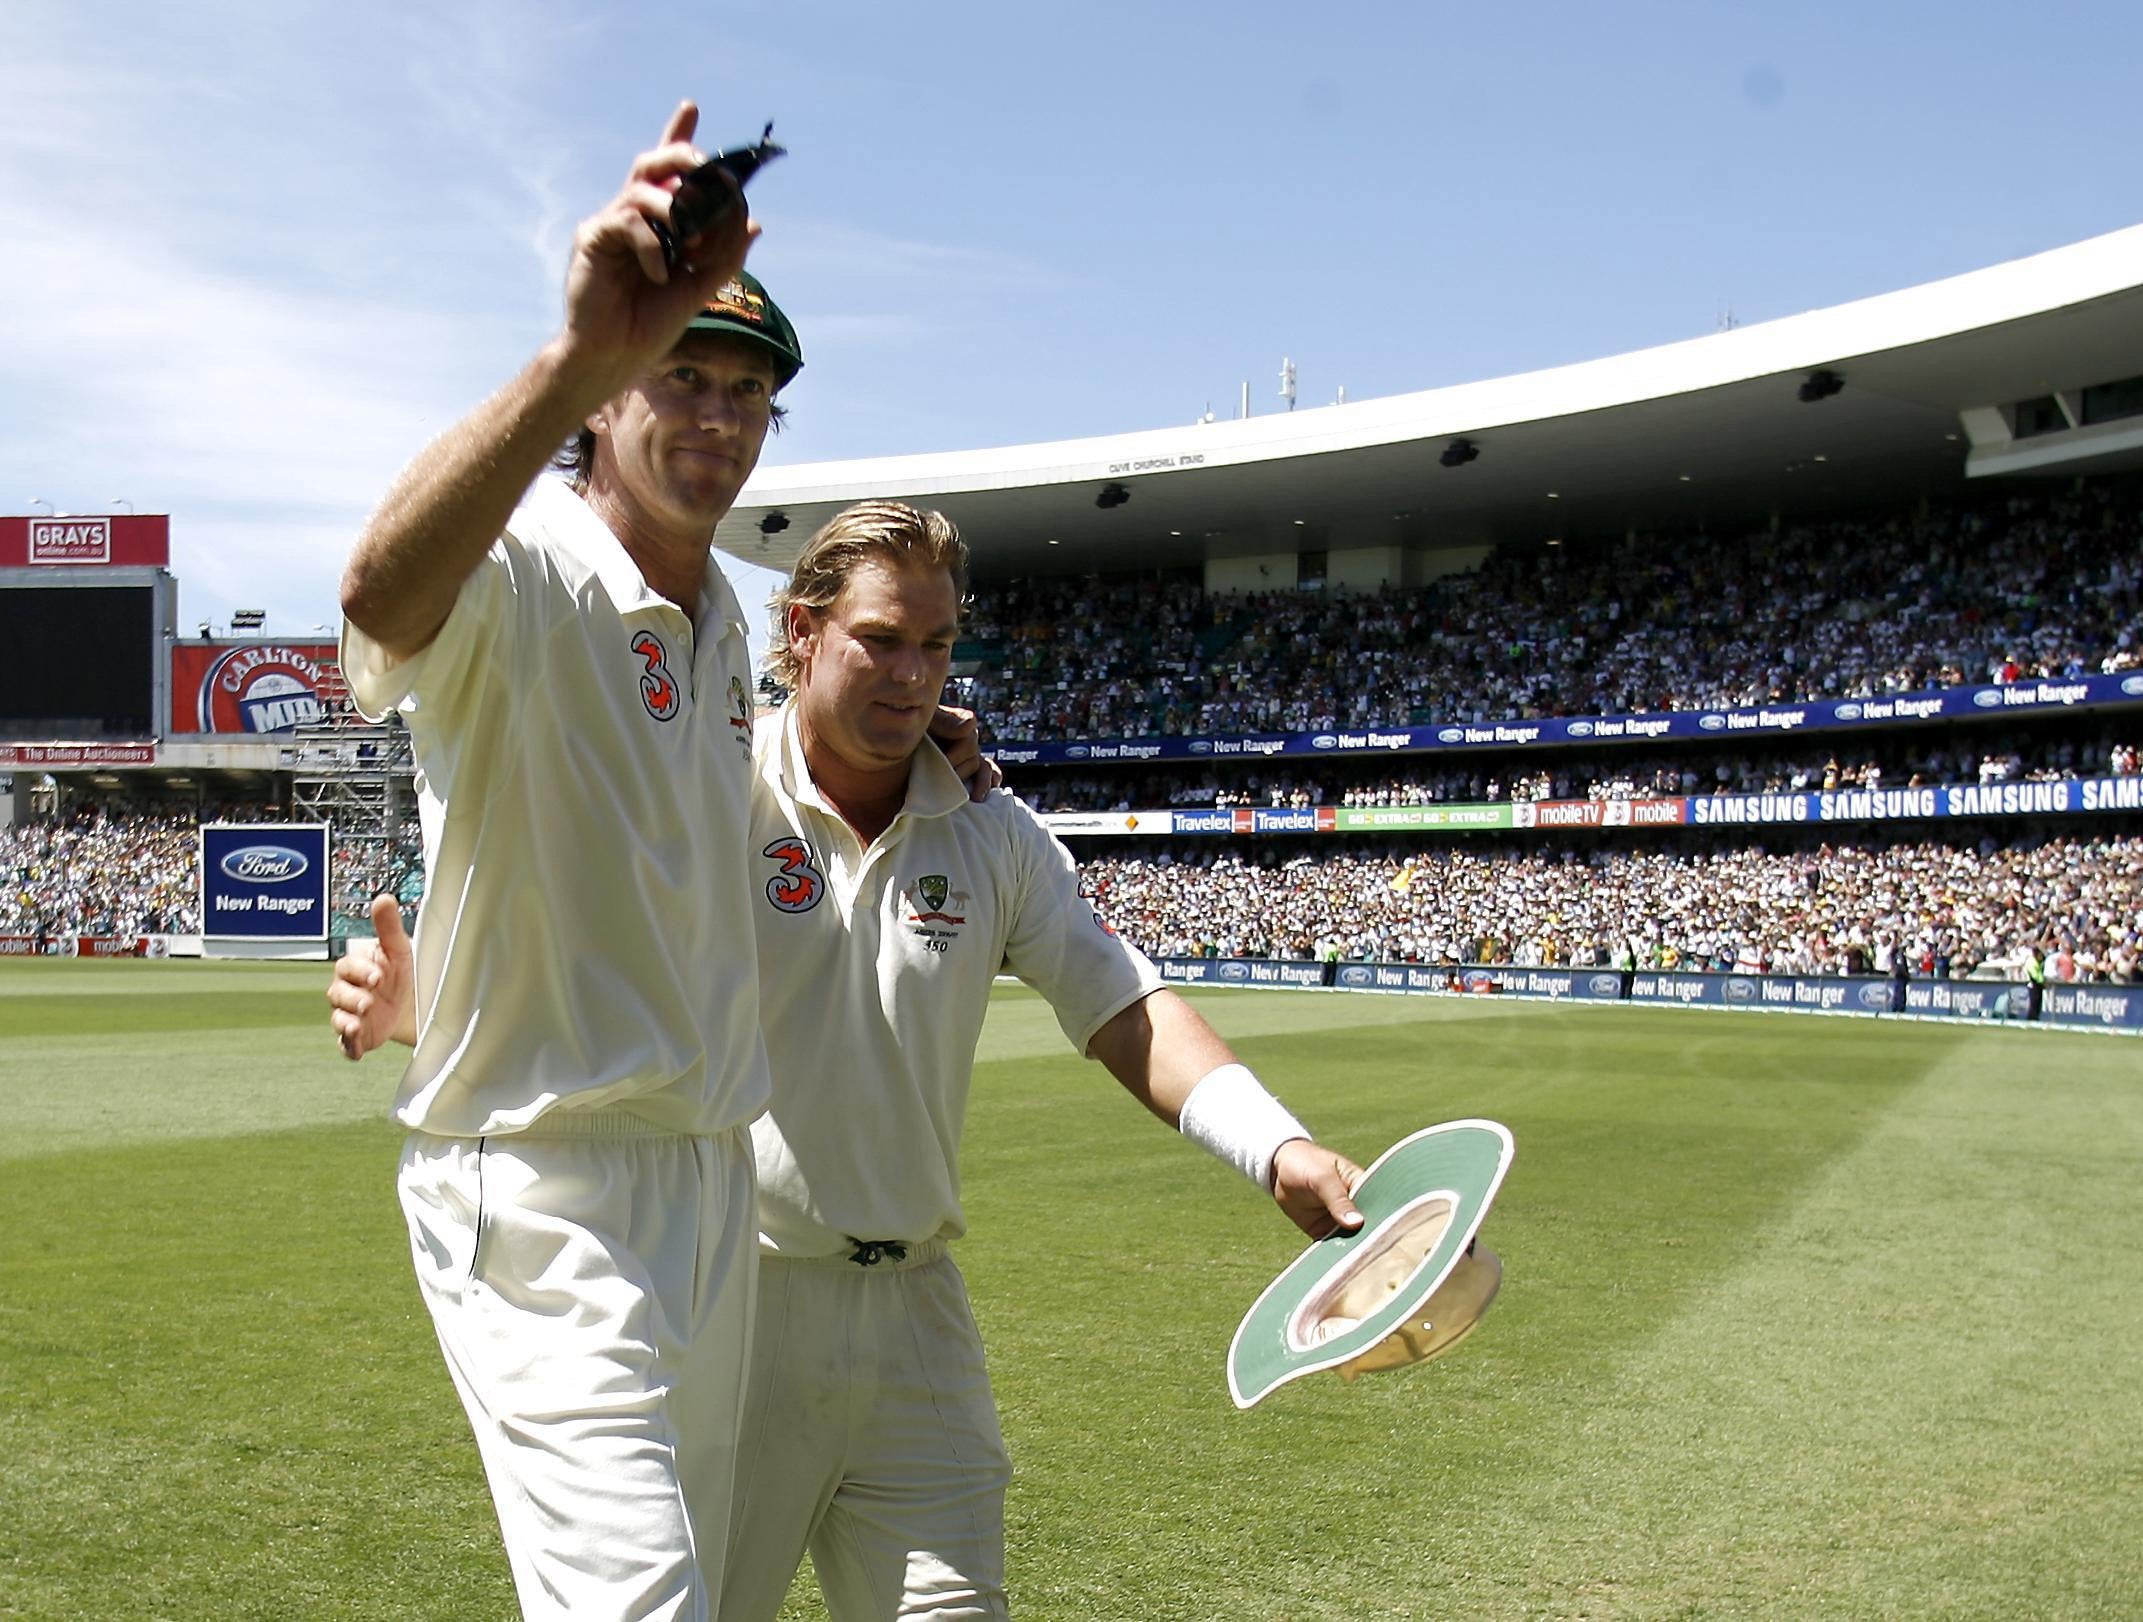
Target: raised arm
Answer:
[[1173, 1062], [623, 311]]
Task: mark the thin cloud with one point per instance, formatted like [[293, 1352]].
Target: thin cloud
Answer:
[[474, 69], [244, 345], [809, 247]]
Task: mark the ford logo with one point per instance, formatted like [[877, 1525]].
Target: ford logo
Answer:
[[2133, 685], [1077, 751], [1449, 735], [1711, 723], [1605, 985], [1201, 746], [1579, 729], [1235, 971], [263, 864], [1847, 712], [1740, 990], [1356, 976], [1988, 698], [1324, 740], [1876, 996]]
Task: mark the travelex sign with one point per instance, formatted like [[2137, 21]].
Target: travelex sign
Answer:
[[2096, 1007], [1768, 720], [264, 881], [2081, 796]]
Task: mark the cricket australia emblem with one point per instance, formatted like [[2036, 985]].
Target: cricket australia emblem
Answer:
[[936, 911], [740, 715]]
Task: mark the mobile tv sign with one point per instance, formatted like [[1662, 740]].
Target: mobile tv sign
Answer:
[[264, 881]]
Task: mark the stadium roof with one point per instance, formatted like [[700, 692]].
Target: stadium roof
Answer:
[[1711, 432]]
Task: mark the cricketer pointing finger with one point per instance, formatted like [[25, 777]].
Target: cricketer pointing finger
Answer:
[[887, 903], [574, 673]]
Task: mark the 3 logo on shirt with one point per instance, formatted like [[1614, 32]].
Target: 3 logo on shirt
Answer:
[[936, 911], [798, 885], [658, 688]]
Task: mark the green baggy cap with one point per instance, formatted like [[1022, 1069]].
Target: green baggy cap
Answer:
[[742, 307]]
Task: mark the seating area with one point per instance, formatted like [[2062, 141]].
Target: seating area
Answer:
[[2008, 588], [1802, 906], [1893, 761], [116, 869]]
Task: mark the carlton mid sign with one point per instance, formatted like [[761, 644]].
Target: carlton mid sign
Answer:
[[251, 687], [75, 539]]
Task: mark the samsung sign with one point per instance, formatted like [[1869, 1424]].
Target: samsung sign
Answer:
[[264, 881]]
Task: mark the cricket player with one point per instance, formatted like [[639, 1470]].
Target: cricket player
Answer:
[[573, 671], [887, 904]]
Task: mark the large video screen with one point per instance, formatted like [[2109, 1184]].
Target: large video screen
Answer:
[[77, 661]]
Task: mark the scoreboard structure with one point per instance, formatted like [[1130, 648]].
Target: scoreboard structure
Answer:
[[87, 612], [93, 672]]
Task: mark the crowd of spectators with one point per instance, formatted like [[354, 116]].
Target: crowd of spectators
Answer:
[[1833, 907], [1855, 906], [114, 870], [98, 870], [1893, 762], [2017, 588]]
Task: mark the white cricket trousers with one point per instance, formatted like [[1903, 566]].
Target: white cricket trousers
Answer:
[[871, 1439], [592, 1284]]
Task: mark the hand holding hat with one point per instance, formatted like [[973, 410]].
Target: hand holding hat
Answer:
[[1315, 1187], [625, 308]]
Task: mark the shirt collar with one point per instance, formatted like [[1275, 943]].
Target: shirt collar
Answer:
[[559, 514], [934, 788]]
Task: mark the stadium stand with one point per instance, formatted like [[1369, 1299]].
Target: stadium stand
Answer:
[[1804, 906], [1994, 590], [100, 870], [1981, 756], [112, 868]]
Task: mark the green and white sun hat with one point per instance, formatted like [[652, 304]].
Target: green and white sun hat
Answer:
[[1406, 1286]]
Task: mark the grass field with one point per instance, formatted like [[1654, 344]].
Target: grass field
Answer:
[[1801, 1317]]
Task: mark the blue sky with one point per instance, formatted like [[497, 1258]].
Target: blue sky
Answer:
[[254, 254]]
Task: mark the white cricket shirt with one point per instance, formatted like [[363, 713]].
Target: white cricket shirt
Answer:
[[584, 781], [876, 968]]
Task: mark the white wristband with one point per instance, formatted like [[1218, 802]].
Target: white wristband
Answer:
[[1238, 1120]]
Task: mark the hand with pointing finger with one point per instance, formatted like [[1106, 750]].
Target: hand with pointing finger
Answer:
[[625, 308]]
